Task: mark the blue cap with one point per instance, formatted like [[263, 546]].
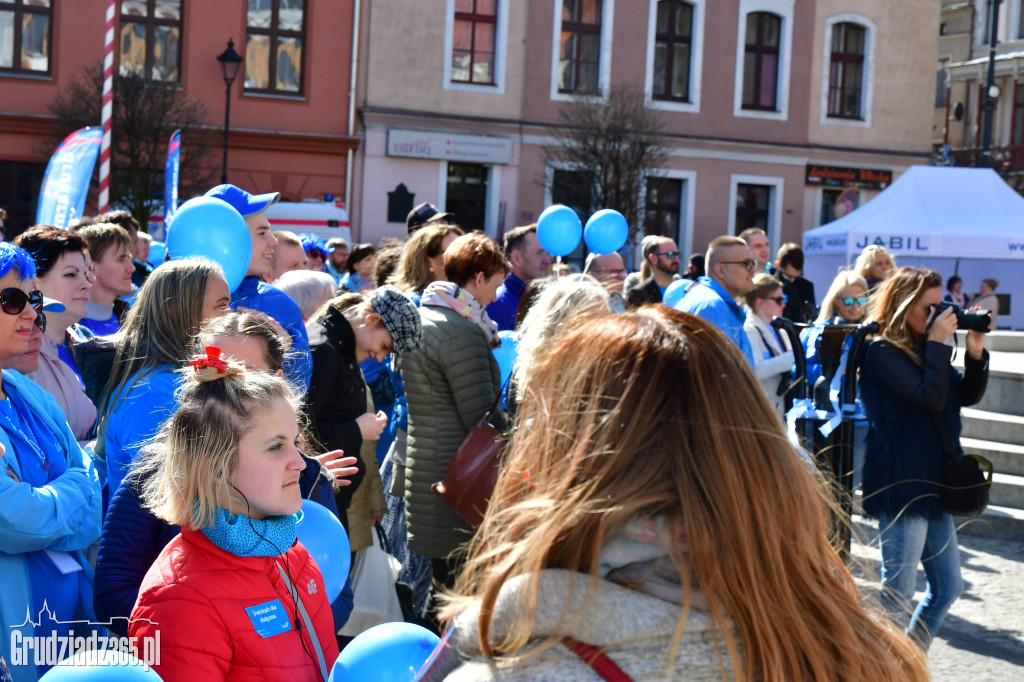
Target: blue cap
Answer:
[[243, 202], [51, 305]]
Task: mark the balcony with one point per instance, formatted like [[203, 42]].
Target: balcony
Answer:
[[1006, 159]]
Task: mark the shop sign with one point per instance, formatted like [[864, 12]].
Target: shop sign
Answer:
[[837, 176], [419, 144]]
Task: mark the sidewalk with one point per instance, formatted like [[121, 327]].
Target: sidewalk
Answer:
[[982, 638]]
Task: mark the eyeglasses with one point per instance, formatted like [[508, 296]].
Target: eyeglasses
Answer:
[[13, 301], [618, 272], [748, 264], [671, 254], [850, 300], [781, 300]]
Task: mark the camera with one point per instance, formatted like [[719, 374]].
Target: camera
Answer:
[[970, 320]]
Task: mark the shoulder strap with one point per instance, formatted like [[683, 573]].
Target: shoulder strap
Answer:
[[767, 345], [306, 621], [598, 660], [947, 442]]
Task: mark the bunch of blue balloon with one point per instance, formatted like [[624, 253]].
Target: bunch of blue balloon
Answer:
[[559, 231], [210, 228], [101, 666], [323, 536], [392, 652]]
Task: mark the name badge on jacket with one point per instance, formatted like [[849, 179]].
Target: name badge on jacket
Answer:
[[269, 618]]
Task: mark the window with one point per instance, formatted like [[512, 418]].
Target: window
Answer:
[[572, 188], [761, 61], [753, 206], [580, 47], [473, 41], [663, 206], [150, 39], [273, 46], [846, 71], [673, 51], [941, 86], [26, 33]]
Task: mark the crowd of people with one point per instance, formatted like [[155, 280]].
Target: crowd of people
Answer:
[[159, 434]]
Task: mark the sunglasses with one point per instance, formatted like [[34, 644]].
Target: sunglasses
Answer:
[[13, 301], [850, 300], [781, 300], [748, 264], [671, 254]]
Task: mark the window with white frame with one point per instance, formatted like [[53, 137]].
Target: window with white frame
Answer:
[[848, 80], [675, 46], [763, 53], [756, 201], [476, 45], [582, 48]]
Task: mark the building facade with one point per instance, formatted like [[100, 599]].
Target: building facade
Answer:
[[771, 109], [964, 45], [290, 126]]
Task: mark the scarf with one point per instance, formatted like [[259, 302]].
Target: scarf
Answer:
[[642, 539], [247, 537], [449, 295]]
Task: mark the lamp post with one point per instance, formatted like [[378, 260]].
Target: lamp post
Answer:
[[992, 91], [230, 61]]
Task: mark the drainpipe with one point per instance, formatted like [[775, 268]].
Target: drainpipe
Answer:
[[352, 109], [990, 98]]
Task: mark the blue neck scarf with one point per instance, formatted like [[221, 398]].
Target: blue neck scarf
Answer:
[[244, 536]]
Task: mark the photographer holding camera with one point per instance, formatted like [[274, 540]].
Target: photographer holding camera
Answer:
[[911, 394]]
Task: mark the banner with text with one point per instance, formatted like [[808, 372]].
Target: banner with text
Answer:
[[171, 176], [66, 183]]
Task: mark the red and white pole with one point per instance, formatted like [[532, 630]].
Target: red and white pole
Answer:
[[108, 106]]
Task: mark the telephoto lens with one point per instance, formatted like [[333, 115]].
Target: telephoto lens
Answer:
[[967, 320]]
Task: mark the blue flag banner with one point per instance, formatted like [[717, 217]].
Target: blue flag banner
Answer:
[[171, 177], [66, 183]]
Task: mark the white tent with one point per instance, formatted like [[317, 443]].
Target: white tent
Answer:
[[966, 221]]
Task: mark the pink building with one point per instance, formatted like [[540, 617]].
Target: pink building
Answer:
[[290, 125], [771, 108]]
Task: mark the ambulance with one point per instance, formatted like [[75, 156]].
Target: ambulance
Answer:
[[325, 219]]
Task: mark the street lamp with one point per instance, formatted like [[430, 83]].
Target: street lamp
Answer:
[[230, 61]]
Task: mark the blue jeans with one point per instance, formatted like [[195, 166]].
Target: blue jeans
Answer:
[[905, 541]]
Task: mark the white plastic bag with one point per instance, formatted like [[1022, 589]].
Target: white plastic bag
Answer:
[[374, 573]]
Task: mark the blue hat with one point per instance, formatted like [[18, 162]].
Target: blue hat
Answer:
[[51, 305], [243, 202], [311, 242]]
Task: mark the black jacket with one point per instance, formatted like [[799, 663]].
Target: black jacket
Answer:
[[801, 306], [643, 293], [337, 392], [904, 447]]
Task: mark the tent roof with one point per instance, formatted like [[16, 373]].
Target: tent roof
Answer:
[[932, 211]]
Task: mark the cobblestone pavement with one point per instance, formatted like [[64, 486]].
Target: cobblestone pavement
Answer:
[[982, 638]]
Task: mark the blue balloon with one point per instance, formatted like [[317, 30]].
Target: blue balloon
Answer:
[[675, 292], [213, 229], [606, 231], [323, 536], [559, 230], [157, 253], [100, 666], [392, 652]]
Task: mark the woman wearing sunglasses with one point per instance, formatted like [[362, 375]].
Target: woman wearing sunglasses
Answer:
[[50, 500], [773, 357], [845, 303], [62, 275]]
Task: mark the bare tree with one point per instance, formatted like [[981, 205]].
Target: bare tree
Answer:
[[612, 145], [145, 114]]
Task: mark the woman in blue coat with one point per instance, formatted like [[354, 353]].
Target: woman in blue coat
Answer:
[[50, 499]]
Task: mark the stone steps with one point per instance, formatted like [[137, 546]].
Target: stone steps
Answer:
[[993, 426], [1006, 458]]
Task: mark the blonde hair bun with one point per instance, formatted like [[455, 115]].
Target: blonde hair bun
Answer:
[[212, 367]]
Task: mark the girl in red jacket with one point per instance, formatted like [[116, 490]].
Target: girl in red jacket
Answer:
[[235, 596]]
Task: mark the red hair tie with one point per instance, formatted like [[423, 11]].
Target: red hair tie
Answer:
[[211, 359]]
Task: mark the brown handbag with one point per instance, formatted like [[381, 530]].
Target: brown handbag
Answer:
[[469, 481]]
